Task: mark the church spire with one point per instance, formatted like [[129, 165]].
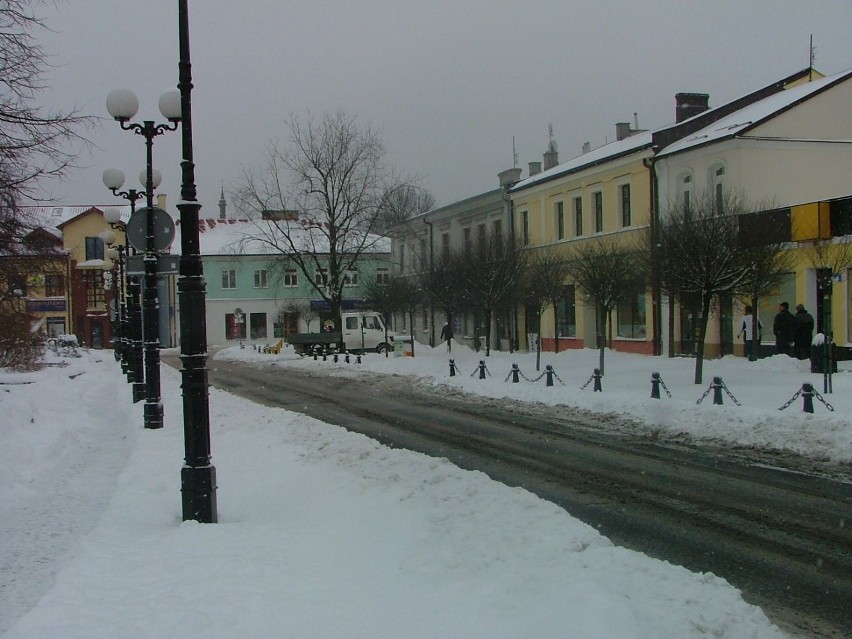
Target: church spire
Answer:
[[222, 204]]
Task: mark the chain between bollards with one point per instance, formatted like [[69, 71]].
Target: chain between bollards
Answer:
[[516, 374], [482, 369], [656, 383], [596, 376], [550, 374], [807, 392], [717, 386]]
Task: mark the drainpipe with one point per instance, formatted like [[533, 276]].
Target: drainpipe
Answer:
[[514, 342], [656, 292], [431, 266]]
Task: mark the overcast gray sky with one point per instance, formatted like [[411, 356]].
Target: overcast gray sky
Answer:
[[449, 83]]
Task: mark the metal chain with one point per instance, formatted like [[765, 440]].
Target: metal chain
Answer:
[[477, 370], [733, 399], [588, 381], [791, 400], [706, 393], [825, 403], [663, 384]]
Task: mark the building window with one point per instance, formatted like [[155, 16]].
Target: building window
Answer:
[[467, 240], [94, 248], [718, 181], [578, 216], [631, 316], [54, 285], [597, 198], [382, 276], [624, 193], [350, 278], [94, 282], [685, 193], [229, 278], [525, 227], [497, 230], [567, 312], [257, 326], [445, 248], [18, 285], [260, 279], [321, 277], [402, 257], [291, 277], [559, 214]]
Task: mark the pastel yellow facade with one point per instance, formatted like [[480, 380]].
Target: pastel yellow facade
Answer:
[[589, 201]]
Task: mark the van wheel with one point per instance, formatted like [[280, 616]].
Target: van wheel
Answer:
[[381, 349]]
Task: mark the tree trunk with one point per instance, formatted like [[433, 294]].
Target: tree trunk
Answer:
[[601, 339], [755, 330], [555, 326], [487, 335], [411, 326], [671, 339], [706, 300]]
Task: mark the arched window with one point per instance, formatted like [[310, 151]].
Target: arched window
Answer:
[[717, 185], [684, 192]]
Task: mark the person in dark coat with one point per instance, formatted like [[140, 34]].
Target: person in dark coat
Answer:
[[446, 334], [784, 328], [804, 331]]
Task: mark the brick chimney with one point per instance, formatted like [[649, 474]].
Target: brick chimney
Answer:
[[690, 104], [551, 156], [509, 176], [622, 130], [535, 168]]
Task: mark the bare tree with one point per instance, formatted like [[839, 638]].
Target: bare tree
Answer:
[[608, 272], [317, 200], [701, 256], [767, 262], [35, 142], [399, 294], [444, 284], [403, 202], [302, 310], [492, 271], [544, 273]]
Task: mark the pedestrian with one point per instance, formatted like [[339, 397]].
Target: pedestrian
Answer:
[[784, 328], [747, 332], [447, 334], [803, 333]]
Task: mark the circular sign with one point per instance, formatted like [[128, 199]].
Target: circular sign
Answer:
[[137, 230], [238, 314]]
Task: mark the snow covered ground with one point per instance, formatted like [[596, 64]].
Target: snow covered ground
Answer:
[[325, 533]]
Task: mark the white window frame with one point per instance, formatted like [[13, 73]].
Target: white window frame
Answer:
[[575, 201], [229, 279], [350, 278], [621, 208], [261, 278], [291, 278]]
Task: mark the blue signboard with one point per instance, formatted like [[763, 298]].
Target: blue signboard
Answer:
[[45, 306]]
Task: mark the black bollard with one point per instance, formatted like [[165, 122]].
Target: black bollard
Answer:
[[335, 357], [516, 372], [655, 386], [358, 359], [807, 398], [482, 369], [346, 358], [717, 386], [316, 352], [597, 377], [452, 368], [548, 371]]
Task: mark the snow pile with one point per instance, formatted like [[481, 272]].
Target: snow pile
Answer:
[[322, 533]]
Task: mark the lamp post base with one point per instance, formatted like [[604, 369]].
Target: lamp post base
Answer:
[[198, 493], [138, 391], [153, 415]]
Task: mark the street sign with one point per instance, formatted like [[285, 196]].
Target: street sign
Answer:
[[166, 265], [137, 229]]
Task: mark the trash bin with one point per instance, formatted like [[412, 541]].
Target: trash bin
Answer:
[[817, 359]]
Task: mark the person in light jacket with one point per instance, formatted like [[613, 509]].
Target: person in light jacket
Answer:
[[747, 331]]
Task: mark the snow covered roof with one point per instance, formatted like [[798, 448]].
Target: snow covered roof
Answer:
[[231, 236], [605, 153], [51, 217], [748, 117]]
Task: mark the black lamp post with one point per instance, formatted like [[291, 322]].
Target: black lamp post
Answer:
[[132, 312], [123, 105], [198, 475]]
